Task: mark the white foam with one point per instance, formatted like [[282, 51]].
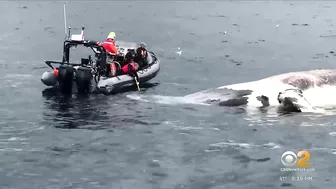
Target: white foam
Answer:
[[245, 145], [170, 100], [19, 76], [5, 36]]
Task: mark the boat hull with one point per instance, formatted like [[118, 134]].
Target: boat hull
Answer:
[[108, 85]]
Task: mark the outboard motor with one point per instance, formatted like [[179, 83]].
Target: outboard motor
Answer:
[[83, 79], [65, 78]]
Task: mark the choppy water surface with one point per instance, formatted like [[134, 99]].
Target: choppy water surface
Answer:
[[50, 141]]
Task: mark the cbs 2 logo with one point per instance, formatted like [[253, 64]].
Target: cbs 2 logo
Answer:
[[290, 159]]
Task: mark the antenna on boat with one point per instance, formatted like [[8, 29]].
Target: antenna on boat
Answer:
[[67, 33], [64, 17]]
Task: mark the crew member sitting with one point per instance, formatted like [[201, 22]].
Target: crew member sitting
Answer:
[[130, 66], [142, 57]]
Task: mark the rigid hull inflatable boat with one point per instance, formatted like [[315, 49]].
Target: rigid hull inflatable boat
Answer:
[[92, 73]]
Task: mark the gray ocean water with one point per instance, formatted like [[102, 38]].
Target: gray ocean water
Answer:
[[49, 141]]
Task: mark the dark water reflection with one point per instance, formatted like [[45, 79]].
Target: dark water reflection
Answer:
[[75, 112], [92, 112]]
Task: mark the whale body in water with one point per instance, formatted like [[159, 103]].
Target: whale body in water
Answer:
[[305, 91]]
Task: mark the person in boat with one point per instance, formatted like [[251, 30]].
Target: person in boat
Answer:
[[130, 66], [112, 50], [142, 57], [109, 44]]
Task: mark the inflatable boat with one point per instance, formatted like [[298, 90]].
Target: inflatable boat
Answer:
[[92, 74]]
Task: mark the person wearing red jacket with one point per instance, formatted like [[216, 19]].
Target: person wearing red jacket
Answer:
[[109, 44], [130, 66], [111, 49]]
